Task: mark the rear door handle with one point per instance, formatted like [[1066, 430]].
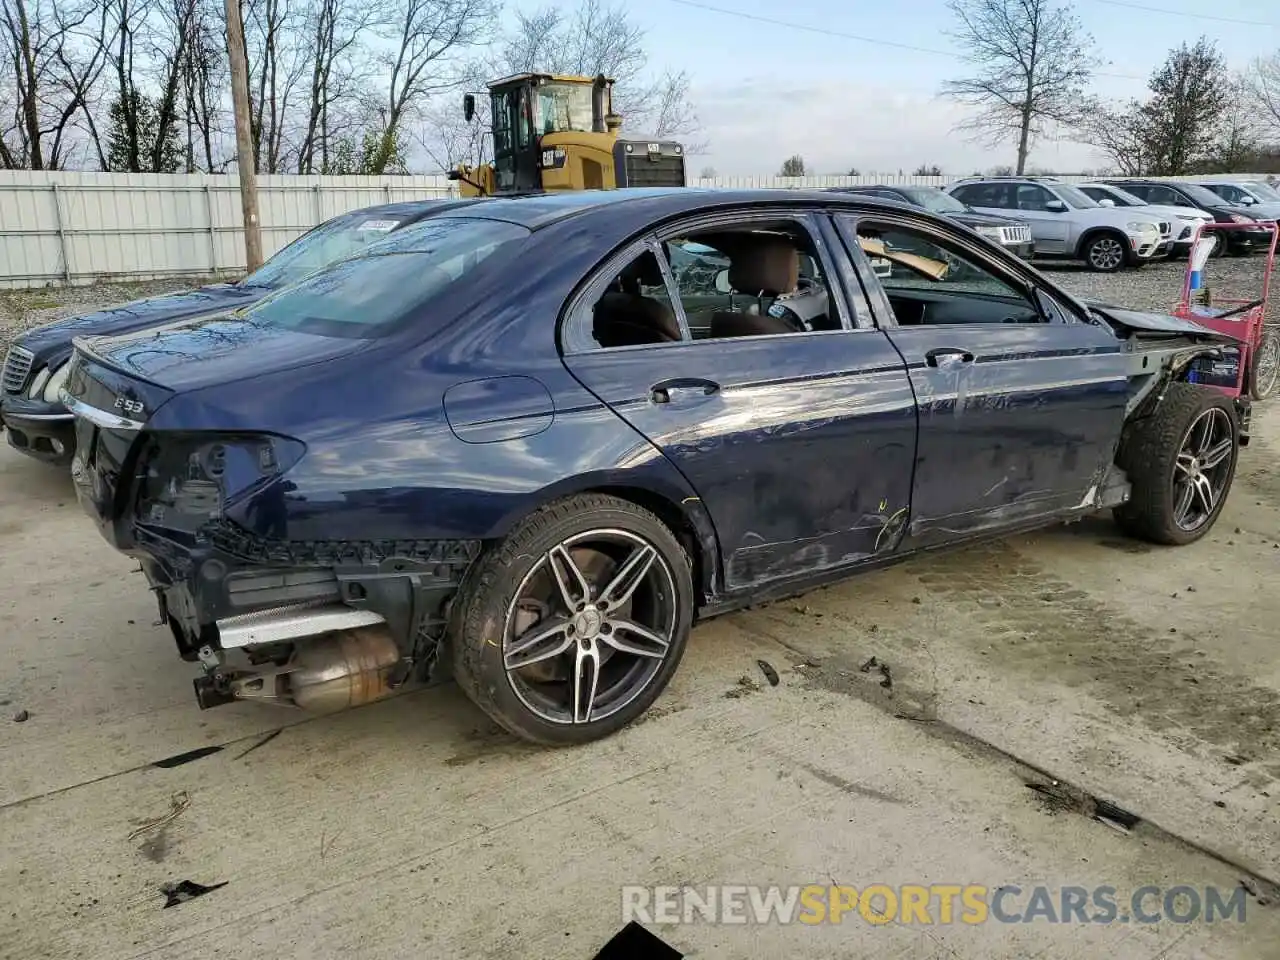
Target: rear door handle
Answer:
[[661, 392], [947, 357]]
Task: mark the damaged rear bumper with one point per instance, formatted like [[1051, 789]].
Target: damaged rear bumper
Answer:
[[227, 589]]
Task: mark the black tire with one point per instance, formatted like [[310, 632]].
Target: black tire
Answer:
[[1148, 454], [1264, 366], [485, 602], [1105, 251]]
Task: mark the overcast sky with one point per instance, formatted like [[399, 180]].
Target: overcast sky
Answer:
[[766, 91]]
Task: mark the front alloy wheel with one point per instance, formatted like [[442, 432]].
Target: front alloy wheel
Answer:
[[572, 627], [1105, 254], [1203, 469], [1180, 462]]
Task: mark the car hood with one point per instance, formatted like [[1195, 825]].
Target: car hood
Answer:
[[213, 350], [971, 218], [51, 343], [1260, 211], [1119, 216], [1182, 213], [1139, 321]]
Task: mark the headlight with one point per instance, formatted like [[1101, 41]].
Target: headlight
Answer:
[[37, 384], [1241, 218], [1137, 226], [993, 232], [57, 381]]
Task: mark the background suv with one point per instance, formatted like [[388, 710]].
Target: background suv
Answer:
[[1014, 235], [1186, 220], [1180, 193], [1066, 222]]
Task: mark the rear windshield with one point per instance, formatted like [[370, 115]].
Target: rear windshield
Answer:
[[332, 240], [367, 294]]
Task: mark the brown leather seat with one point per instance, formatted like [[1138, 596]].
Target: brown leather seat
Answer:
[[767, 268], [625, 317]]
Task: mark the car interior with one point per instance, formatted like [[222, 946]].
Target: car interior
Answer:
[[927, 284], [736, 282]]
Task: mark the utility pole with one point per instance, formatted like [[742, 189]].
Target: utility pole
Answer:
[[244, 136]]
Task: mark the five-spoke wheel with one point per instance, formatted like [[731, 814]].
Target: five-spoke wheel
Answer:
[[575, 623]]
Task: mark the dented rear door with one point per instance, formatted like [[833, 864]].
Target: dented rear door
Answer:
[[1020, 405]]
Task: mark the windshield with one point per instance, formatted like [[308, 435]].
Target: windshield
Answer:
[[563, 107], [935, 200], [1074, 196], [1201, 195], [1121, 197], [366, 294], [1263, 191], [332, 240]]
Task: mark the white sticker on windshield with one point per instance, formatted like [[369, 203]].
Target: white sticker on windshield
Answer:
[[380, 225]]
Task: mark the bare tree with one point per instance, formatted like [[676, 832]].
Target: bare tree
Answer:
[[204, 76], [1032, 61], [1121, 134], [127, 20], [340, 70], [428, 36], [1262, 83], [48, 80], [277, 58]]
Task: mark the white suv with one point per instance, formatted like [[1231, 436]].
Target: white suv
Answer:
[[1067, 223]]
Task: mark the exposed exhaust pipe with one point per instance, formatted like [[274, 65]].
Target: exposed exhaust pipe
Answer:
[[346, 658]]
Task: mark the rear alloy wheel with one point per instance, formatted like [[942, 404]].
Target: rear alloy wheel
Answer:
[[1181, 461], [573, 626], [1105, 253], [1264, 368]]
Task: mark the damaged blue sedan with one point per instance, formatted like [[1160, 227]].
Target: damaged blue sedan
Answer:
[[541, 437]]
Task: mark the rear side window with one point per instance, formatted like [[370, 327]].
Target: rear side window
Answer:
[[368, 294]]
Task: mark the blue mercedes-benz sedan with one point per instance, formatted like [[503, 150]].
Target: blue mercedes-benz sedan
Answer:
[[35, 366], [543, 436]]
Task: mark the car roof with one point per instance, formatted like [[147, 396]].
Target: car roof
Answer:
[[541, 210], [410, 210]]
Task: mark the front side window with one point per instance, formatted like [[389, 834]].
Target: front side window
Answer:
[[369, 294], [1033, 198], [338, 238], [929, 281], [985, 195], [503, 110]]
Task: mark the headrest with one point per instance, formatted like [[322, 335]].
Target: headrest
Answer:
[[767, 267]]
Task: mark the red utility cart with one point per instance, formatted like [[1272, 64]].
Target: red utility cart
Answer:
[[1253, 367]]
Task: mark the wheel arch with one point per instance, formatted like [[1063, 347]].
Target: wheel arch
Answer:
[[674, 503], [1091, 234]]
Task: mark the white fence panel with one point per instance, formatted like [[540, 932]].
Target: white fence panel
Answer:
[[62, 227]]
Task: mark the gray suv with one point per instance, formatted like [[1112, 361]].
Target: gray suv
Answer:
[[1067, 223]]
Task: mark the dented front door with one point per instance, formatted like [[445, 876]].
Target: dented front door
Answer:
[[1016, 422]]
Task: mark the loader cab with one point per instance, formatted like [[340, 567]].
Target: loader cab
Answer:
[[553, 133], [570, 112]]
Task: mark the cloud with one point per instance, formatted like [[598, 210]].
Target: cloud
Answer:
[[754, 125]]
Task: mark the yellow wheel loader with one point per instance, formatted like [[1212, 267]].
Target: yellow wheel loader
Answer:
[[555, 133]]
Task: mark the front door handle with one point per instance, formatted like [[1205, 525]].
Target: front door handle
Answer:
[[661, 392], [947, 357]]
